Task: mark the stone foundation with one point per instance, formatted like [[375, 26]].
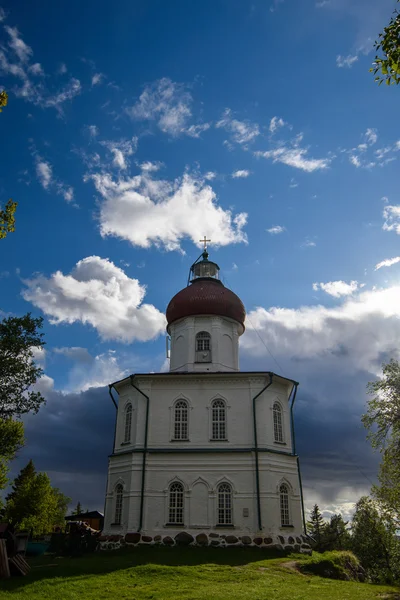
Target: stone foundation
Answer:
[[286, 544]]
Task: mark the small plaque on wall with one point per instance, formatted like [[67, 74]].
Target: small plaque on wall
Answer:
[[245, 512]]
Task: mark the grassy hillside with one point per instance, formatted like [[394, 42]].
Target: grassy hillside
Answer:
[[190, 573]]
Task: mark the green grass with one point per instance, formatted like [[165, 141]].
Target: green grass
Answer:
[[181, 573]]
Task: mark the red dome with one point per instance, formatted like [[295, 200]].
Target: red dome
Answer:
[[206, 297]]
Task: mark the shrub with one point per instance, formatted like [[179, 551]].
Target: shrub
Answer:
[[334, 565]]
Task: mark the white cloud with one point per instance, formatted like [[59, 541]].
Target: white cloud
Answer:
[[240, 174], [357, 333], [293, 183], [97, 78], [210, 175], [355, 161], [308, 243], [363, 156], [169, 105], [72, 89], [75, 353], [242, 132], [121, 150], [346, 61], [276, 123], [388, 262], [391, 214], [196, 130], [146, 211], [93, 130], [62, 69], [66, 192], [100, 294], [337, 288], [371, 135], [44, 173], [276, 229], [2, 15], [36, 69], [16, 43], [149, 166], [295, 157]]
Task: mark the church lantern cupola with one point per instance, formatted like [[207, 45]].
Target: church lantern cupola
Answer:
[[205, 320]]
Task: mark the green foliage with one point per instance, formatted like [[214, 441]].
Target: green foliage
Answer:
[[315, 526], [187, 573], [336, 536], [11, 440], [3, 99], [374, 541], [382, 421], [19, 336], [7, 219], [78, 509], [331, 535], [335, 565], [34, 504], [387, 65]]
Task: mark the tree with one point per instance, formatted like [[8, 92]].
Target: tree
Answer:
[[34, 504], [78, 509], [382, 420], [3, 99], [11, 440], [387, 65], [19, 338], [7, 219], [374, 541], [316, 526], [336, 536]]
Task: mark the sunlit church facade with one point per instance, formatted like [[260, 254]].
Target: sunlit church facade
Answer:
[[204, 453]]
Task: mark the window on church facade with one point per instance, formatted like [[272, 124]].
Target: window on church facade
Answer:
[[181, 420], [218, 425], [203, 341], [175, 504], [278, 424], [284, 504], [119, 490], [224, 504], [128, 423]]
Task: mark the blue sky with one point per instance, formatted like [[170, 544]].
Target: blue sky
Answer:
[[133, 129]]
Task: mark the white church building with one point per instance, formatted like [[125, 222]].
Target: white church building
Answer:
[[204, 454]]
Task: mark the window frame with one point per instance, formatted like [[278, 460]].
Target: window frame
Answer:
[[284, 505], [215, 424], [203, 336], [128, 424], [179, 424], [176, 504], [278, 423], [224, 508], [118, 503]]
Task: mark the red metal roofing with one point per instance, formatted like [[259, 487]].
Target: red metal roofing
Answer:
[[206, 297]]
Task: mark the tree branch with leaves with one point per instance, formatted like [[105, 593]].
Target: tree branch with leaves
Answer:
[[387, 63]]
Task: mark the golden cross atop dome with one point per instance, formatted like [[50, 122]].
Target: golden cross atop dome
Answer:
[[205, 240]]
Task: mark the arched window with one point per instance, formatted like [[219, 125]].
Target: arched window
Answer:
[[181, 420], [284, 504], [203, 341], [128, 423], [119, 490], [278, 426], [175, 504], [224, 504], [218, 430]]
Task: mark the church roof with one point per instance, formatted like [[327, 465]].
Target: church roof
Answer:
[[206, 296], [210, 374]]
